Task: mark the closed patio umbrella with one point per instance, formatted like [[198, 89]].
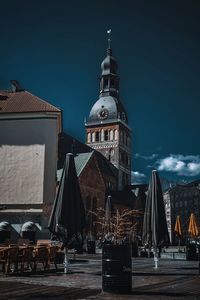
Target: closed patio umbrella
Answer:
[[178, 229], [193, 230], [193, 227], [155, 232], [67, 218]]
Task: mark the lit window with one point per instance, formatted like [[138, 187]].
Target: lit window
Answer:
[[89, 137]]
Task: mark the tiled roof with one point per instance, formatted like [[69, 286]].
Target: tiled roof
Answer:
[[81, 160], [67, 143], [23, 101]]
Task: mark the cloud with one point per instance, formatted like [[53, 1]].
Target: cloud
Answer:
[[188, 165], [137, 177], [146, 157]]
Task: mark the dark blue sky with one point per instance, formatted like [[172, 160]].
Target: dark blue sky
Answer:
[[54, 48]]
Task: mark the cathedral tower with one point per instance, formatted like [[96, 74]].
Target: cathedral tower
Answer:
[[107, 129]]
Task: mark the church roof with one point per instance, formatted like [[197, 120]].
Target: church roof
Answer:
[[81, 161], [23, 102]]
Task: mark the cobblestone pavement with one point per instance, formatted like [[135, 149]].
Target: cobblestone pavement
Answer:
[[174, 280]]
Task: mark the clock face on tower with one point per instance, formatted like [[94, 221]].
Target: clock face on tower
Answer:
[[103, 114]]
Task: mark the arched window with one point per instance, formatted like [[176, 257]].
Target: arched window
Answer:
[[112, 83], [102, 135], [106, 135], [111, 135], [105, 83], [93, 137], [89, 137], [97, 136], [116, 135]]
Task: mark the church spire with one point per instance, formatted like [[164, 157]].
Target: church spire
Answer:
[[109, 83], [109, 50]]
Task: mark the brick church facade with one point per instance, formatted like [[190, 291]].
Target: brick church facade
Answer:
[[107, 129]]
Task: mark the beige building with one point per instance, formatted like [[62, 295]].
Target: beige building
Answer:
[[29, 128], [182, 200]]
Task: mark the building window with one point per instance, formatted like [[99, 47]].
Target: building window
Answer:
[[116, 135], [106, 135], [105, 83], [93, 137], [97, 136], [89, 137], [111, 135], [112, 83], [102, 135]]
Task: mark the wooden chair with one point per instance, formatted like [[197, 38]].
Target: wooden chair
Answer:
[[40, 256], [12, 259], [43, 242], [3, 257], [23, 242], [26, 257], [52, 251]]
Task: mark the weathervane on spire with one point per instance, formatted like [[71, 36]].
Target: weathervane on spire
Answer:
[[109, 38]]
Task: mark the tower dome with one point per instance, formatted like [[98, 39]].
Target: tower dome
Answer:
[[107, 109]]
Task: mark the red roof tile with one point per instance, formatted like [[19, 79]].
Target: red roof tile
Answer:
[[23, 101]]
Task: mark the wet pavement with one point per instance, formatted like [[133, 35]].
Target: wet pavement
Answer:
[[174, 279]]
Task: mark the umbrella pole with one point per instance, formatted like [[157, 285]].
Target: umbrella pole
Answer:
[[66, 262], [156, 258]]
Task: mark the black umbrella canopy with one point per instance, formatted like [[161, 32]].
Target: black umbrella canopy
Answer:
[[67, 218], [155, 232]]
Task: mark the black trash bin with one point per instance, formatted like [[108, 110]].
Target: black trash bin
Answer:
[[116, 268], [134, 249], [192, 252], [91, 247]]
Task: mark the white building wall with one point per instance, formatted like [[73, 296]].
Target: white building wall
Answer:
[[21, 174], [28, 158]]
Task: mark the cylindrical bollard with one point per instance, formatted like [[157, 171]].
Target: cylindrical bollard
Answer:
[[116, 268], [91, 247]]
